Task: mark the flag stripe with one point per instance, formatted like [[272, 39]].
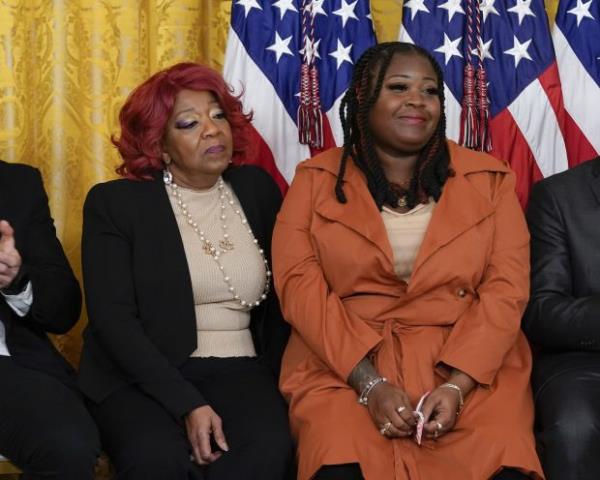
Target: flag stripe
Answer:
[[578, 146], [271, 119], [529, 125], [263, 157], [267, 45], [580, 91], [516, 153], [535, 117], [453, 109], [333, 116]]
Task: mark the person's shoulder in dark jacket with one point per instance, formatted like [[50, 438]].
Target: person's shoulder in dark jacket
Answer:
[[16, 174], [563, 183], [255, 178]]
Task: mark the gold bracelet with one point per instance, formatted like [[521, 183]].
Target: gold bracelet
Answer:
[[460, 394]]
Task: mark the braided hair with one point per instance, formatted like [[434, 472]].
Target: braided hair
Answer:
[[432, 168]]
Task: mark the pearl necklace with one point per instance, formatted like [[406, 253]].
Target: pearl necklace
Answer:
[[225, 245]]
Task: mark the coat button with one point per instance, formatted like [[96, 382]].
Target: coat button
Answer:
[[461, 293]]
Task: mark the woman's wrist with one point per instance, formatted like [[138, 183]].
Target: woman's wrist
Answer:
[[363, 398], [462, 384], [362, 375], [465, 382]]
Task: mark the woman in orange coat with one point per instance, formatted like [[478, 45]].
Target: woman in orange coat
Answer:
[[402, 264]]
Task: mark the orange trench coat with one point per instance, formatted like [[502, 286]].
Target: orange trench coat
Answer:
[[333, 269]]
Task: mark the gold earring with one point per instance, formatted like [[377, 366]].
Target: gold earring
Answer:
[[166, 159]]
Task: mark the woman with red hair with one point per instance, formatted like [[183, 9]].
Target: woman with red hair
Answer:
[[185, 335]]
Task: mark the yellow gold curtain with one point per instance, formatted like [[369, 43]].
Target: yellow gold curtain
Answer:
[[66, 67]]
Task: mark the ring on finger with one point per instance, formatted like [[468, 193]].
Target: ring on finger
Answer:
[[400, 409], [439, 426], [385, 428], [436, 433]]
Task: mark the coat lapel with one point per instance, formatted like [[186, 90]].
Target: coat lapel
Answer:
[[174, 264], [359, 214], [459, 208], [5, 311], [594, 179], [244, 192], [165, 219], [6, 212]]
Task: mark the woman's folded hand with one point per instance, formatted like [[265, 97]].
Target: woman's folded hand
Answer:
[[391, 411], [440, 411], [200, 424]]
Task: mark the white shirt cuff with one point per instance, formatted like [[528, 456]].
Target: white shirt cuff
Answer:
[[21, 302]]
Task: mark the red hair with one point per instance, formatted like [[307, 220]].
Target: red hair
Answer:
[[145, 114]]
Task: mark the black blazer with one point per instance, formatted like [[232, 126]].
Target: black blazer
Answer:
[[563, 316], [56, 295], [138, 291]]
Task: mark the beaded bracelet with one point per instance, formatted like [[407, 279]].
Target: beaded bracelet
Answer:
[[364, 395], [460, 395]]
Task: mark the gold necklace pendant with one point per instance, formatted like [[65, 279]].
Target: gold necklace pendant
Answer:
[[402, 201], [208, 248], [226, 245]]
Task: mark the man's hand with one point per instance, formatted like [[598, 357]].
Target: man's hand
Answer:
[[10, 259]]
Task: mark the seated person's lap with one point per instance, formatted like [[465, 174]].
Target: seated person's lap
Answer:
[[43, 423], [568, 406], [140, 435]]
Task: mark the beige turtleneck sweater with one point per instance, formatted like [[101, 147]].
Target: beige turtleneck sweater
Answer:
[[222, 323]]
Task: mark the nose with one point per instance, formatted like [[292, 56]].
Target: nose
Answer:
[[415, 97], [210, 128]]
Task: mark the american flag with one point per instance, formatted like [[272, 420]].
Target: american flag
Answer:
[[264, 57], [529, 126], [576, 38]]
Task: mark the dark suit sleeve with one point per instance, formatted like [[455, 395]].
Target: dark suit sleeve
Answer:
[[56, 294], [555, 319], [112, 310]]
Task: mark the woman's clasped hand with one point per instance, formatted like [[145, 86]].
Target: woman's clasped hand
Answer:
[[392, 411]]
